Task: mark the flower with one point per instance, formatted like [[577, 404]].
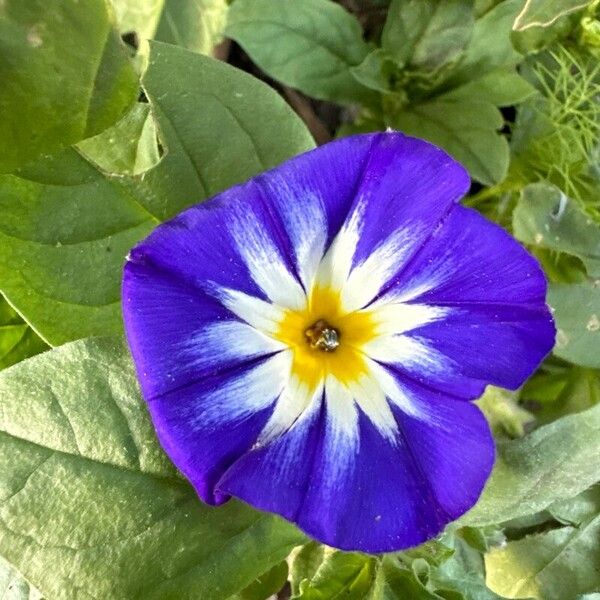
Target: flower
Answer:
[[309, 341]]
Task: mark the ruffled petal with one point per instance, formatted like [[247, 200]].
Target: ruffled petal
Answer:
[[357, 488], [492, 324]]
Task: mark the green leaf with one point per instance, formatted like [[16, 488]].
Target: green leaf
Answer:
[[309, 45], [490, 48], [128, 148], [546, 217], [197, 25], [466, 129], [193, 24], [17, 340], [555, 462], [305, 563], [425, 34], [266, 585], [13, 586], [340, 574], [67, 226], [558, 389], [576, 310], [503, 413], [575, 511], [501, 88], [376, 71], [91, 507], [556, 565], [542, 13], [65, 76]]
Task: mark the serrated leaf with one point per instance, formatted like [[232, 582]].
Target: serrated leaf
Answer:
[[90, 505], [557, 565], [546, 217], [67, 225], [576, 308], [309, 45], [65, 76], [554, 462], [466, 129], [425, 34], [17, 340], [542, 13]]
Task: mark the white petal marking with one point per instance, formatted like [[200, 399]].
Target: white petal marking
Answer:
[[265, 263], [295, 402], [370, 397], [399, 317], [407, 351], [225, 342], [368, 278], [256, 312], [337, 262], [247, 393], [303, 215]]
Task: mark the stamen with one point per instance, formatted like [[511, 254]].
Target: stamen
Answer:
[[322, 336]]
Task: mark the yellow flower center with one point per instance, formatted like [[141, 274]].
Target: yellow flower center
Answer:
[[325, 339]]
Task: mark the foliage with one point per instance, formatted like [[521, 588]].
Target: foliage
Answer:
[[103, 140]]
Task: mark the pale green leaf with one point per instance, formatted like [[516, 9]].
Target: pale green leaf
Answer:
[[193, 24], [310, 45], [576, 308], [266, 585], [554, 462], [17, 340], [65, 76], [89, 504], [426, 34], [340, 574], [546, 217], [128, 148], [13, 586], [575, 511], [542, 13], [466, 129], [503, 413], [67, 226], [557, 565]]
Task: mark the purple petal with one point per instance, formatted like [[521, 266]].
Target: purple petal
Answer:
[[373, 494]]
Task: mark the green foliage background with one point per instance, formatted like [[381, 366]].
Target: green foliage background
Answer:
[[103, 140]]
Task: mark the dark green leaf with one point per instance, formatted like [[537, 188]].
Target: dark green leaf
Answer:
[[65, 76], [426, 34], [500, 88], [91, 507], [67, 225], [490, 48], [541, 13], [555, 462], [466, 129], [557, 565], [309, 45]]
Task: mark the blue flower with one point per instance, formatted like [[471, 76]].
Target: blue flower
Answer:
[[309, 341]]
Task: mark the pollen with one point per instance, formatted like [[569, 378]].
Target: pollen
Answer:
[[325, 339]]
